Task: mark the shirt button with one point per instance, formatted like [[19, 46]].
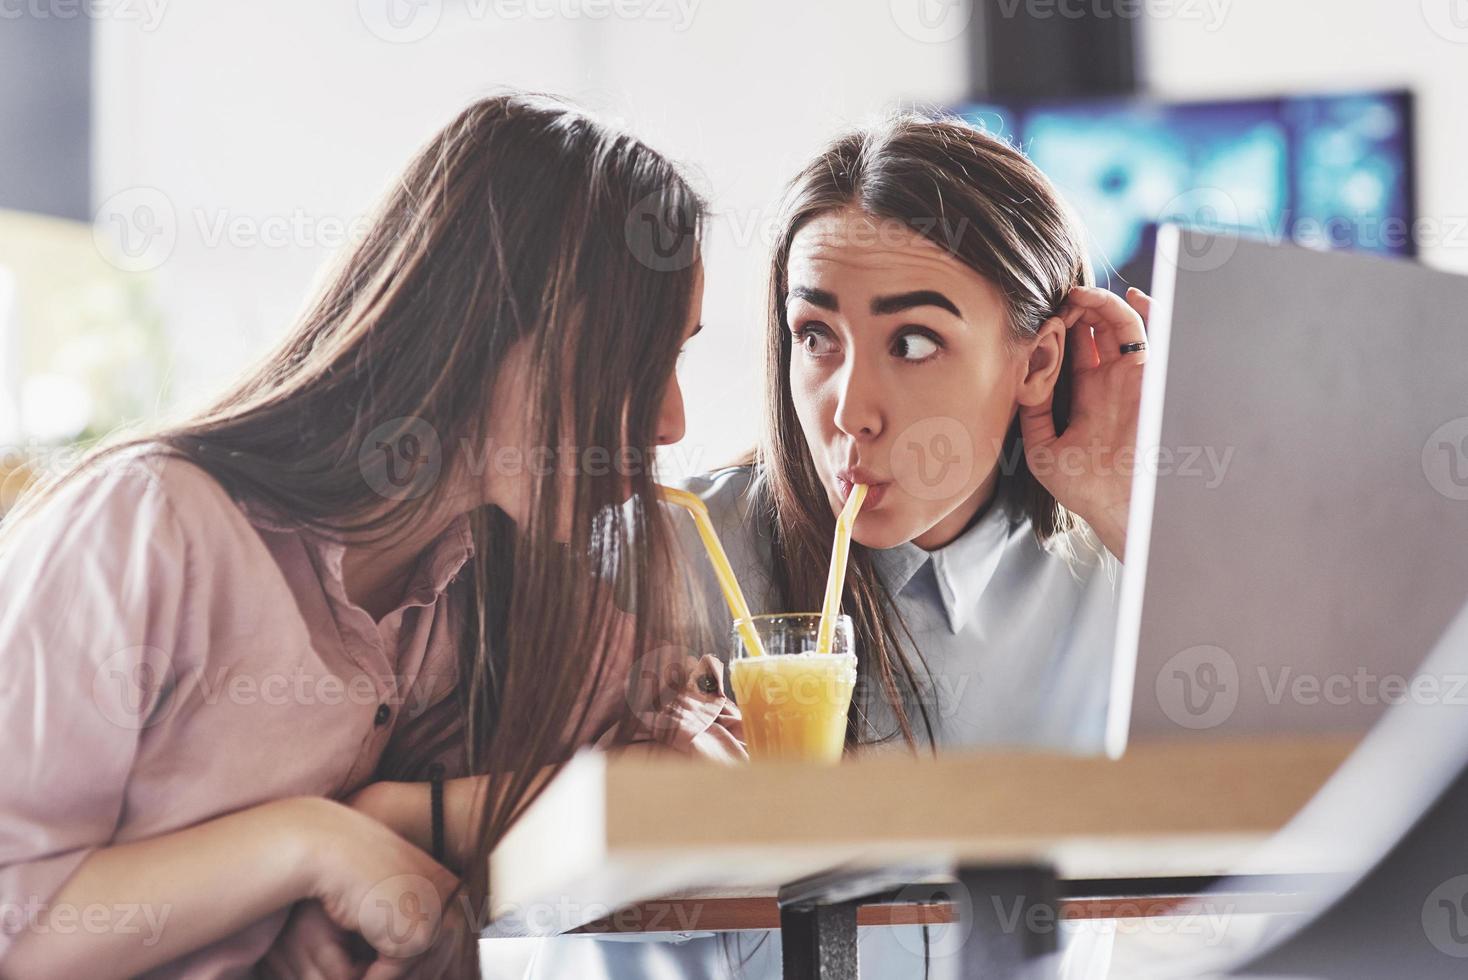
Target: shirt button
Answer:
[[382, 716]]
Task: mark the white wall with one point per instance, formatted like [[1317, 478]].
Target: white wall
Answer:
[[279, 110], [273, 112]]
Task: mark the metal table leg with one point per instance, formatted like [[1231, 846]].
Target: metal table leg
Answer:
[[818, 942], [1011, 918]]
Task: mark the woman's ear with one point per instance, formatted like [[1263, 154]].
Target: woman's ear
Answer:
[[1042, 367]]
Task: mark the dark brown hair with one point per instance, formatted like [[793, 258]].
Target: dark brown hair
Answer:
[[989, 207], [522, 220]]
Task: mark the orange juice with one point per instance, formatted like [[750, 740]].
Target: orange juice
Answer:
[[795, 705]]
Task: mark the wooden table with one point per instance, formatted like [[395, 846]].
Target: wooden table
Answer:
[[615, 842]]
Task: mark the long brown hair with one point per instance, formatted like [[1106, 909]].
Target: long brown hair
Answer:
[[522, 220], [989, 207]]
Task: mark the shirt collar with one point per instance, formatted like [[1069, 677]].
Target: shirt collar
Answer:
[[896, 566], [962, 568], [444, 556]]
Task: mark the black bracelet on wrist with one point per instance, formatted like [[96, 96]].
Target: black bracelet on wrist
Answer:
[[435, 798]]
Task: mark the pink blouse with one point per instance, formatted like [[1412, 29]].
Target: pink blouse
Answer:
[[169, 654]]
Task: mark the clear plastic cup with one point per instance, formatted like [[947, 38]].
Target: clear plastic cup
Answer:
[[793, 699]]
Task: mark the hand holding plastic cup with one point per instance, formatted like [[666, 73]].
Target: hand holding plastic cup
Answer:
[[793, 675]]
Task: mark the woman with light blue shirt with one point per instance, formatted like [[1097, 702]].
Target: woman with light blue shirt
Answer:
[[933, 334]]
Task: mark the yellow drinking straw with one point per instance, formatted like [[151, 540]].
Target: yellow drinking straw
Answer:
[[840, 551], [738, 608]]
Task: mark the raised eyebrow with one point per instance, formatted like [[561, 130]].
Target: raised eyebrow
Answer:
[[885, 305], [817, 297]]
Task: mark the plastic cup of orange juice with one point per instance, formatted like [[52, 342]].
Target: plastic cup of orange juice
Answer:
[[794, 699]]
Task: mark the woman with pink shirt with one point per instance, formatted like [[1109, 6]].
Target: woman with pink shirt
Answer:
[[387, 553]]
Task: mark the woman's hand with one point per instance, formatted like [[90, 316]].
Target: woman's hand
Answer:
[[366, 879], [1088, 468], [686, 715], [311, 947]]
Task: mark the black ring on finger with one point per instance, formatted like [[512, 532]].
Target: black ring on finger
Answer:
[[1133, 348]]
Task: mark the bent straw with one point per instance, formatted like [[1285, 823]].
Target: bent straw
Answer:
[[840, 551], [728, 584]]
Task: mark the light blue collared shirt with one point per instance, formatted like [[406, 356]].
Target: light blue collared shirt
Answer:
[[1015, 644]]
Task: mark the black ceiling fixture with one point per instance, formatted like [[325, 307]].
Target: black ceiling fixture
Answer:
[[1026, 50]]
